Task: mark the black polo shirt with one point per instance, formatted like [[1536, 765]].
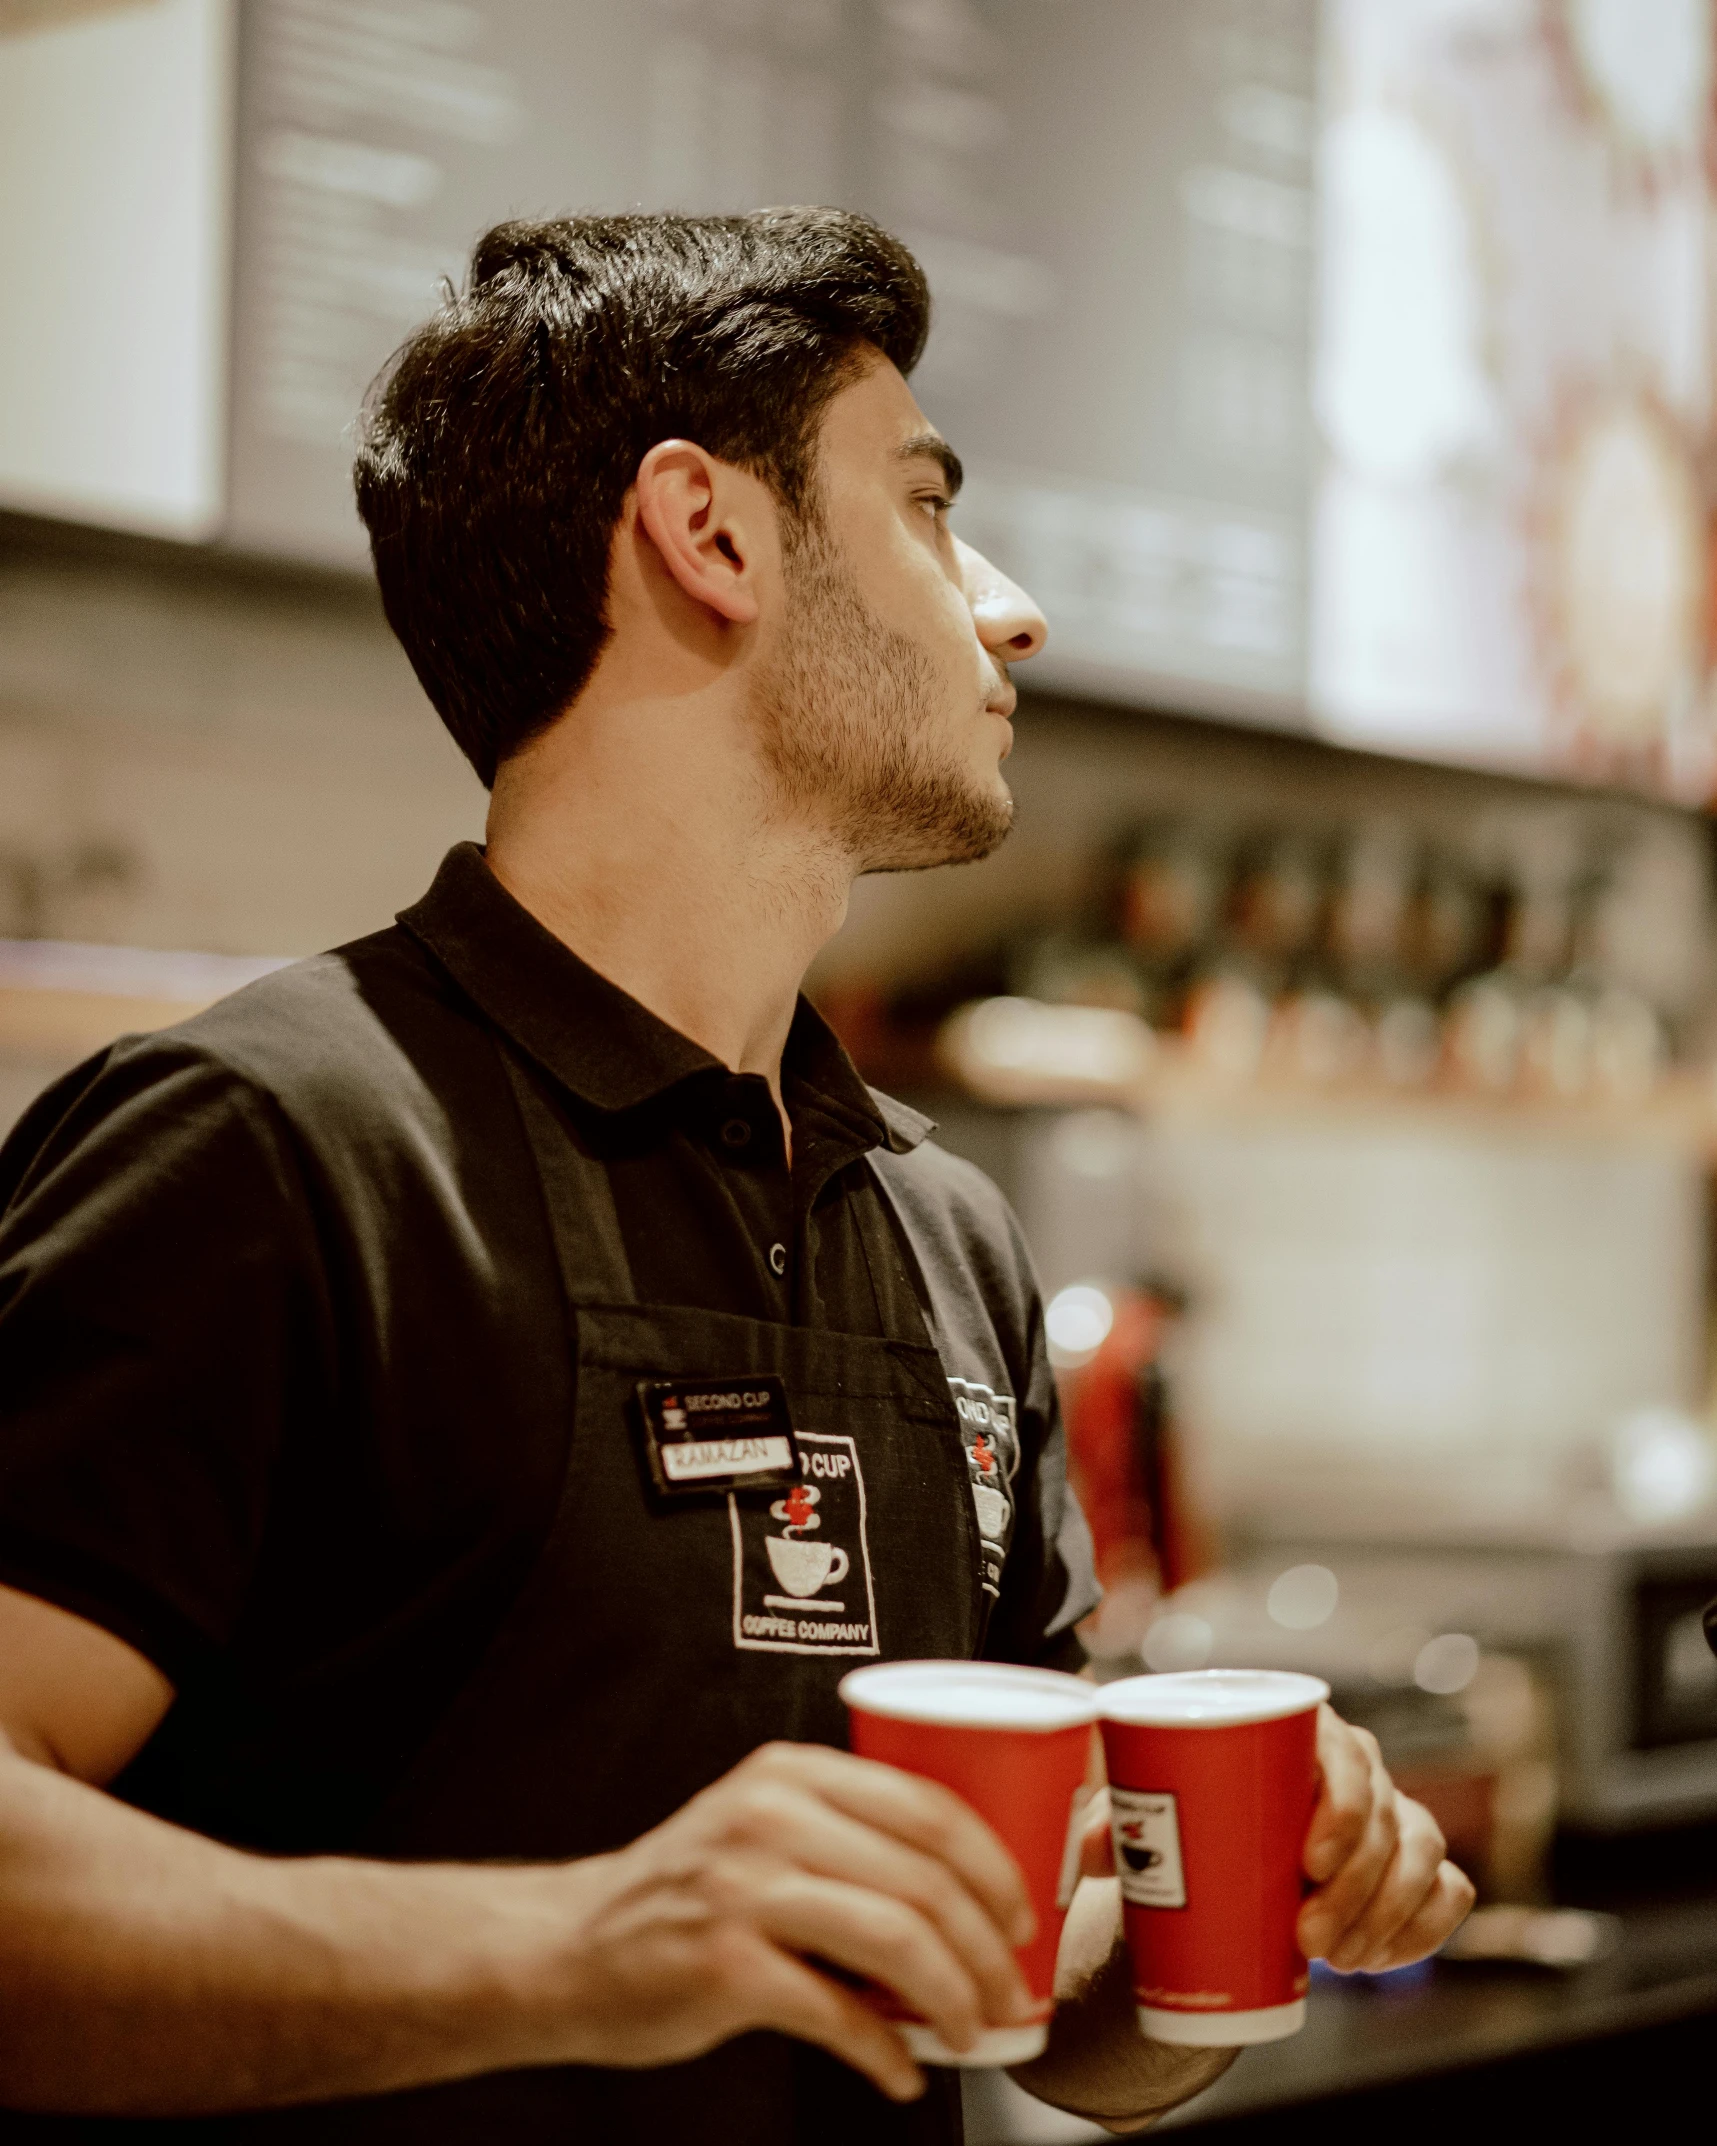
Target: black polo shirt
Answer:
[[283, 1380]]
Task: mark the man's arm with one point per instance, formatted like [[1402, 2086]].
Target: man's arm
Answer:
[[1383, 1896], [1098, 2064], [145, 1970]]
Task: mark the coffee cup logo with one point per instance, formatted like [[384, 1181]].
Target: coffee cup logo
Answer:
[[1146, 1830], [992, 1512], [803, 1568], [987, 1496], [806, 1568], [1134, 1853]]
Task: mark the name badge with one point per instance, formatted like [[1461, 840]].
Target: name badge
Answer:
[[718, 1434]]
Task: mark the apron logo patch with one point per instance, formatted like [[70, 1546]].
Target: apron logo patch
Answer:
[[801, 1564], [988, 1433]]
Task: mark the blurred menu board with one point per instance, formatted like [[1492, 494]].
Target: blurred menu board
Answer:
[[1112, 198], [1512, 557], [1114, 204], [115, 132]]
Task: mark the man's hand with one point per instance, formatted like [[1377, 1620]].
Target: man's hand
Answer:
[[713, 1924], [147, 1971], [1385, 1894]]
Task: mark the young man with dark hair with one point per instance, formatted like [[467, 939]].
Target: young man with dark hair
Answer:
[[405, 1732]]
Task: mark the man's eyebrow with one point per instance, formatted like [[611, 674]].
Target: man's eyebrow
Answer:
[[932, 447]]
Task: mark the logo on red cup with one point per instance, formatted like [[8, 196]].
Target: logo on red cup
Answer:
[[1147, 1848]]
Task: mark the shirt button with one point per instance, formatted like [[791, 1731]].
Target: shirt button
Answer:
[[736, 1133], [778, 1258]]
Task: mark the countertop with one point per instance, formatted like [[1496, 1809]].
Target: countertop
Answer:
[[1446, 2016]]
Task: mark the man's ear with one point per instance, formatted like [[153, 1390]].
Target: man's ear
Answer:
[[695, 512]]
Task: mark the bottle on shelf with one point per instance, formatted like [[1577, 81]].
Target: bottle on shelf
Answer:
[[1267, 931], [1169, 902], [1486, 1018], [1329, 1024], [1586, 1034]]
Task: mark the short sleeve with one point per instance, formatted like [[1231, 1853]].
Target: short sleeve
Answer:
[[159, 1318]]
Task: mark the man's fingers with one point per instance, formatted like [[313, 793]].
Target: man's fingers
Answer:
[[922, 1813], [1335, 1907], [807, 1831], [1344, 1799], [883, 1940], [793, 1998], [1096, 1841], [1446, 1907], [1402, 1891]]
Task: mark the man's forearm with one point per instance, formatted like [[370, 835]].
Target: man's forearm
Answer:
[[145, 1970], [1098, 2064]]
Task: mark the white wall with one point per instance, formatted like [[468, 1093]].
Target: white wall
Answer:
[[114, 181], [1422, 1318]]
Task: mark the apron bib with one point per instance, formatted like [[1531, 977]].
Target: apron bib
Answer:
[[658, 1641]]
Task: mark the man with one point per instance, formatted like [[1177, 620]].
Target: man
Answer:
[[403, 1743]]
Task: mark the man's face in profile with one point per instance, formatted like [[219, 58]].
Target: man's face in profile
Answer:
[[884, 703]]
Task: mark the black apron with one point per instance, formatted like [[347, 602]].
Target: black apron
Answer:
[[657, 1642]]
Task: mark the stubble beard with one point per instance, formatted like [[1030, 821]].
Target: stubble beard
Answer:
[[846, 718]]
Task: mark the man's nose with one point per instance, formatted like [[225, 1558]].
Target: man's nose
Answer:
[[1009, 624]]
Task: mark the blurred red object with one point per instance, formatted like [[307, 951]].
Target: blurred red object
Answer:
[[1125, 1465]]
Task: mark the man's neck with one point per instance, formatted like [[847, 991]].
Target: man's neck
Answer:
[[663, 868]]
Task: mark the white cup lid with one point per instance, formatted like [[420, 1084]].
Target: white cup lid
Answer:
[[1211, 1698], [972, 1695]]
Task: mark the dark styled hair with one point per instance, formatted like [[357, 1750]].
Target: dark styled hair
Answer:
[[497, 448]]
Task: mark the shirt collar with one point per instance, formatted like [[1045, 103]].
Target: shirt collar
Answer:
[[596, 1039], [904, 1127]]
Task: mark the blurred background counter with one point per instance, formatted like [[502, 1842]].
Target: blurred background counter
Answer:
[[1612, 2047]]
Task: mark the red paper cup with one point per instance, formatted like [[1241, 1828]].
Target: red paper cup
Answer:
[[1212, 1781], [1016, 1744]]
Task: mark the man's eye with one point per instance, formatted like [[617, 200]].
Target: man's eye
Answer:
[[937, 502]]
